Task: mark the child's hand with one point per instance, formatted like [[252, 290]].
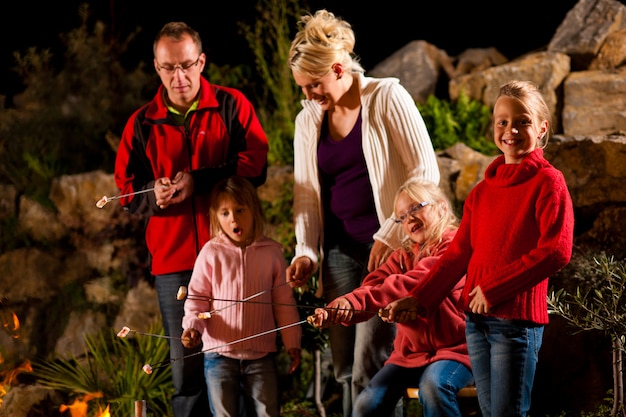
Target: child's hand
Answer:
[[191, 338], [400, 311], [478, 304], [296, 357], [340, 310]]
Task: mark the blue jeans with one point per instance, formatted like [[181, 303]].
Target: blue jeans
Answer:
[[189, 398], [229, 380], [504, 356], [438, 383], [358, 352]]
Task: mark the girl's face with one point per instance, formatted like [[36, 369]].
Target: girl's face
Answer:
[[236, 221], [417, 220], [326, 91], [515, 132]]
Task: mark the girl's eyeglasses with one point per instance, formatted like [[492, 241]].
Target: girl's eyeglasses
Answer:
[[411, 212]]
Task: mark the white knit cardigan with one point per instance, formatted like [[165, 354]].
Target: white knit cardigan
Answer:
[[396, 146]]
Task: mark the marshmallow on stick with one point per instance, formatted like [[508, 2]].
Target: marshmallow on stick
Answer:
[[104, 200]]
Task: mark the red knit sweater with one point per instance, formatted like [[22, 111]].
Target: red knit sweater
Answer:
[[517, 229]]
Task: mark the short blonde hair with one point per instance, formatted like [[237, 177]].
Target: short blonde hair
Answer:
[[323, 40]]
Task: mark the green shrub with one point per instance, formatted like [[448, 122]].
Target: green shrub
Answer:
[[464, 120], [113, 366]]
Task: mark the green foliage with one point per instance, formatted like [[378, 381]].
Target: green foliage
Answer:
[[602, 306], [113, 366], [69, 104], [599, 306], [270, 39], [463, 120]]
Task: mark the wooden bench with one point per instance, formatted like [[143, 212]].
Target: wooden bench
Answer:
[[468, 399]]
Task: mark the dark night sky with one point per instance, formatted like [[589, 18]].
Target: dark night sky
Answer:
[[512, 27]]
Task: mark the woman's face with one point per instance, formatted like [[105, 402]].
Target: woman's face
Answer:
[[326, 91], [417, 219], [236, 221]]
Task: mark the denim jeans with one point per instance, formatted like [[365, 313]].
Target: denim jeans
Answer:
[[229, 380], [438, 383], [504, 356], [358, 352], [189, 398]]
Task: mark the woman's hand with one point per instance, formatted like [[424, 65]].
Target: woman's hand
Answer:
[[300, 271], [378, 255]]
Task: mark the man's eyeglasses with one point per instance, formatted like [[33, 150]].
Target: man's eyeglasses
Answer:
[[171, 69], [411, 212]]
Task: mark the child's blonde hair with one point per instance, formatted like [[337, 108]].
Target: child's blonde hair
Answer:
[[420, 190], [243, 193]]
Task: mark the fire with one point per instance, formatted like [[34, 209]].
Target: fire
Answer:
[[8, 377], [10, 322], [79, 407], [104, 413]]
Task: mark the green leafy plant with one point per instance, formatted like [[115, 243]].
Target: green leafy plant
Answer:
[[113, 366], [600, 306], [270, 39], [463, 120]]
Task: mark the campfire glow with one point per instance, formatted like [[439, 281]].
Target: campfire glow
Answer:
[[79, 407], [8, 377]]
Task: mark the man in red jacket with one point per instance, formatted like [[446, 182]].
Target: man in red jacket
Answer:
[[175, 148]]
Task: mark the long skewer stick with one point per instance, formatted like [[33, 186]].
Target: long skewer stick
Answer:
[[104, 200]]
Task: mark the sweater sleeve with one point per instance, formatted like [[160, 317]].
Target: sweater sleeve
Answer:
[[306, 188], [392, 281], [403, 150]]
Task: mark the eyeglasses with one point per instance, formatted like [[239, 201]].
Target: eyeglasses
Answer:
[[171, 69], [411, 212]]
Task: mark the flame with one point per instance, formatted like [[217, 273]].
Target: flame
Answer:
[[10, 322], [105, 412], [7, 378], [79, 407]]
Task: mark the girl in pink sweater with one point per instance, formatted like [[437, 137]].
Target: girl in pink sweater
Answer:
[[240, 263], [516, 231], [430, 351]]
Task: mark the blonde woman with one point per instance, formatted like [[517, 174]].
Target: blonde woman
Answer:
[[357, 140]]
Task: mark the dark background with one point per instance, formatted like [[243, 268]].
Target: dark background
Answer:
[[382, 27]]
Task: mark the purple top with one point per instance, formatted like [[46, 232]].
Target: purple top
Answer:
[[346, 188]]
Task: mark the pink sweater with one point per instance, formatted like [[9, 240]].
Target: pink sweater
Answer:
[[517, 230], [440, 335], [225, 271]]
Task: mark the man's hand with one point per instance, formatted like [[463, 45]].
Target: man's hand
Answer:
[[173, 191], [300, 271]]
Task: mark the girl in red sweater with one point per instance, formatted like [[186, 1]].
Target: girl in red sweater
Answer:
[[516, 231], [431, 351]]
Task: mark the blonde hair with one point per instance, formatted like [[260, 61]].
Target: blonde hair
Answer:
[[420, 190], [531, 98], [243, 193], [323, 40]]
